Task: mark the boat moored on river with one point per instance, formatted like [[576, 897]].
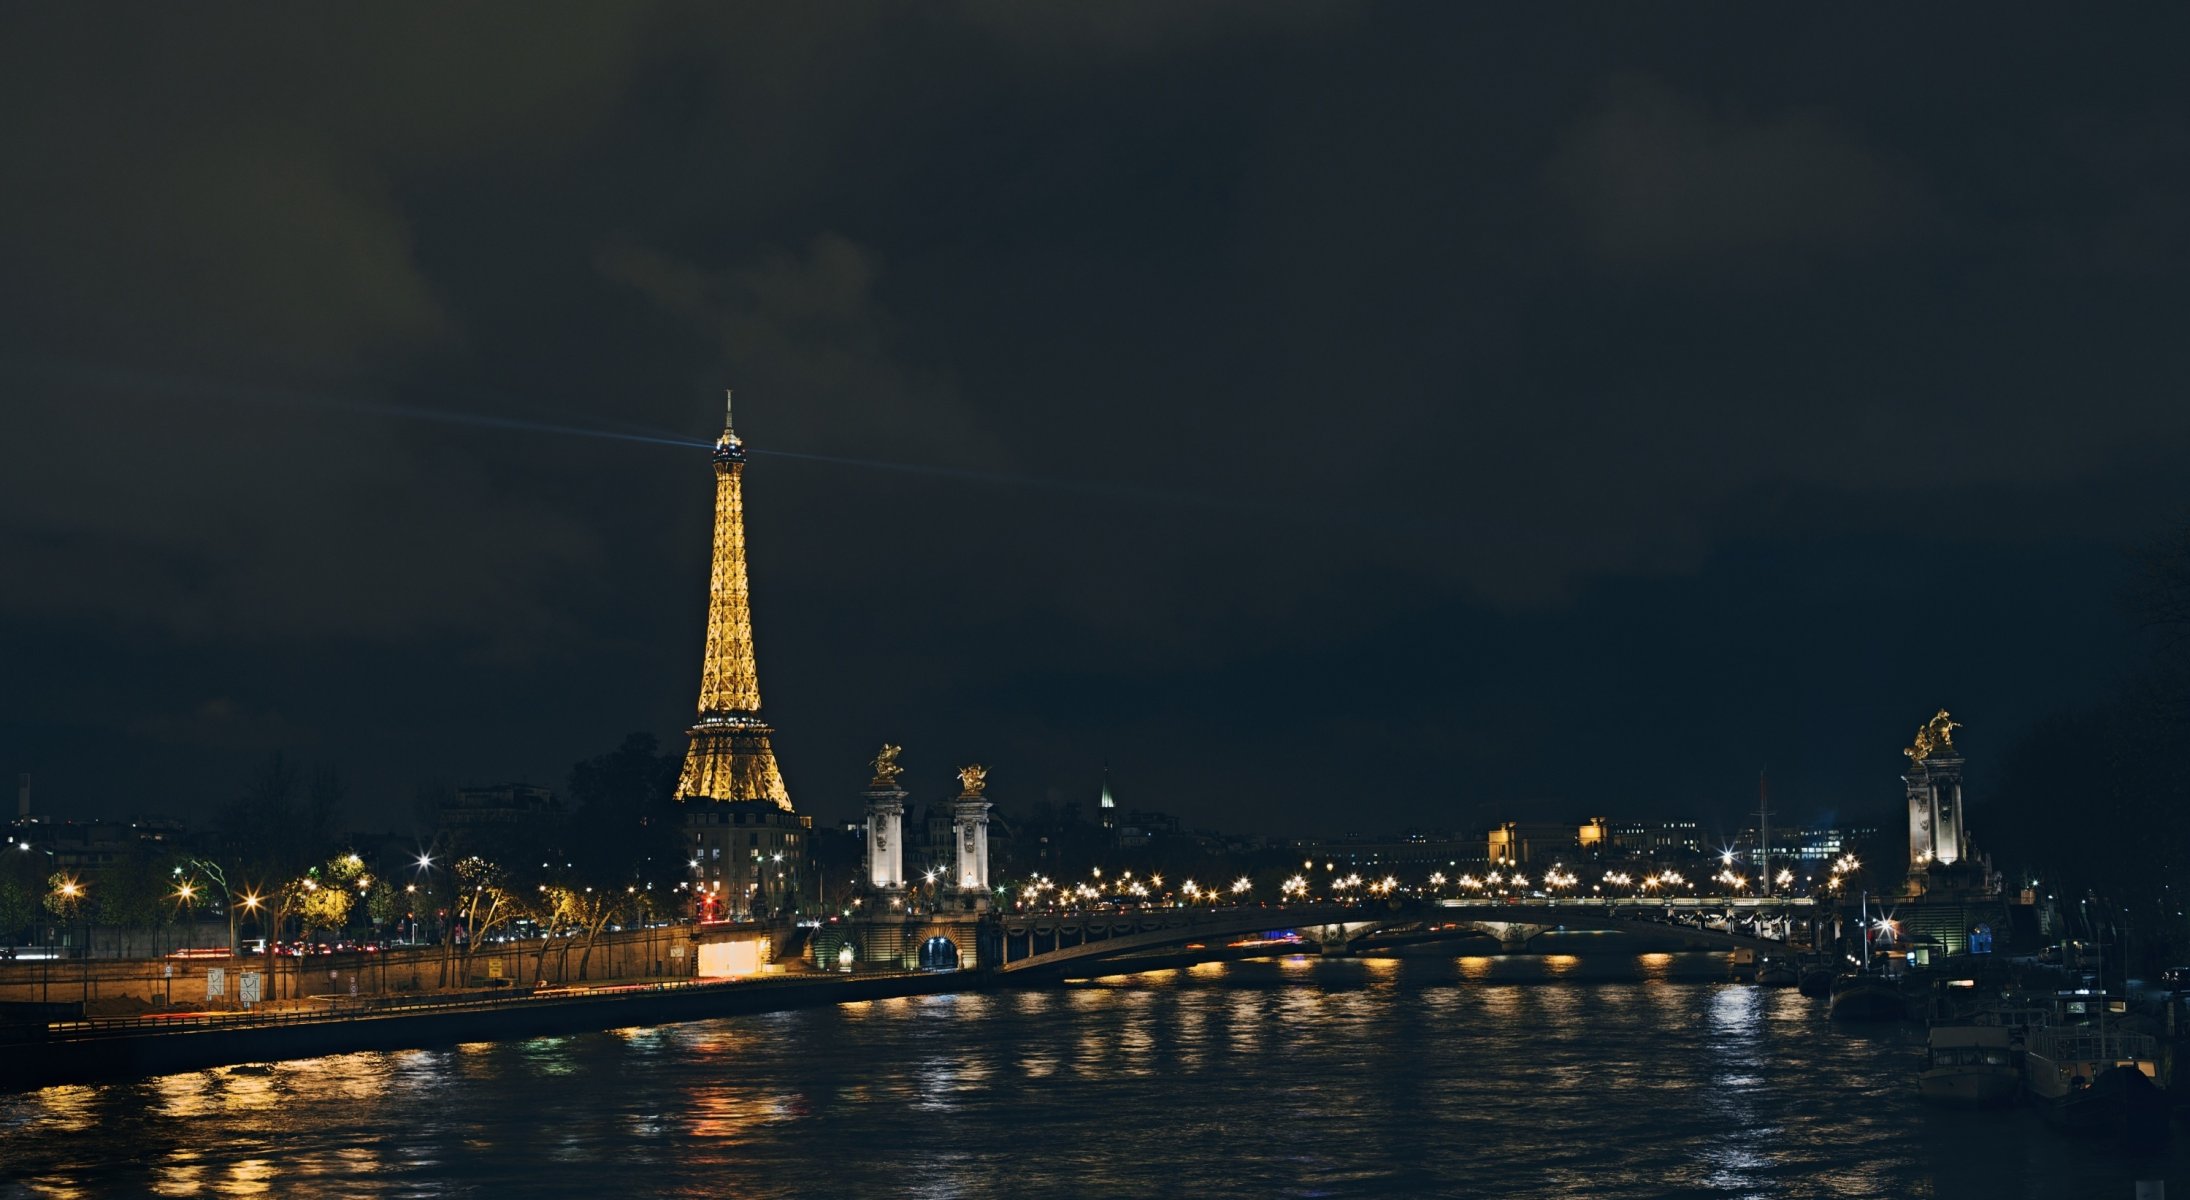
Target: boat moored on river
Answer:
[[2088, 1079], [1969, 1066]]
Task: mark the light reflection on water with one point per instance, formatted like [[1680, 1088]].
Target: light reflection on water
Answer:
[[1606, 1076]]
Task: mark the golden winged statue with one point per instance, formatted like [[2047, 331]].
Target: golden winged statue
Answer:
[[886, 769], [1936, 735], [973, 778]]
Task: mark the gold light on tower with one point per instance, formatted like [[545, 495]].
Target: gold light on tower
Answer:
[[730, 758]]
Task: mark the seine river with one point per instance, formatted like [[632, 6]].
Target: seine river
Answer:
[[1604, 1075]]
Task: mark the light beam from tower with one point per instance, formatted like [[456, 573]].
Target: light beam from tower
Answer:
[[730, 758]]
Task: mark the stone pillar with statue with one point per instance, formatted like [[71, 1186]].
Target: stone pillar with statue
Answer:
[[885, 874], [1937, 836], [970, 834]]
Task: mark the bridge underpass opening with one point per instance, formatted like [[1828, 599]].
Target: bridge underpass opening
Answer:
[[728, 959], [939, 954]]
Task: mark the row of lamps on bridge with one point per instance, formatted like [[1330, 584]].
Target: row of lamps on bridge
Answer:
[[1504, 879]]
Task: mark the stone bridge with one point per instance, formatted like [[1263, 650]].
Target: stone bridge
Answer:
[[1058, 942]]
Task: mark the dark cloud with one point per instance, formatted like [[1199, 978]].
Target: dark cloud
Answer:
[[807, 323], [1655, 177], [1302, 402]]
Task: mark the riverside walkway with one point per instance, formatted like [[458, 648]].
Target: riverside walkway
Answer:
[[97, 1049]]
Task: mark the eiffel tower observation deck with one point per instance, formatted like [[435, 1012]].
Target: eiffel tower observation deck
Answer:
[[730, 759]]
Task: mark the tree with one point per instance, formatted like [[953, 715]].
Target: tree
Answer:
[[68, 900], [323, 896], [137, 889], [384, 903], [588, 911], [272, 834], [483, 904], [323, 909], [22, 894], [2120, 758], [625, 833]]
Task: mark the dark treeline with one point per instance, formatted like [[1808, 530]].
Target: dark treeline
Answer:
[[2094, 803]]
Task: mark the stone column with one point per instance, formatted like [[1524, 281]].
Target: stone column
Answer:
[[886, 841], [1949, 843], [970, 838], [1920, 816]]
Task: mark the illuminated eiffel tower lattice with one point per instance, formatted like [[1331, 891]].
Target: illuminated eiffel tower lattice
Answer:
[[730, 758]]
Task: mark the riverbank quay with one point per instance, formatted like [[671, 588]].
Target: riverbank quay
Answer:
[[95, 1051], [200, 979]]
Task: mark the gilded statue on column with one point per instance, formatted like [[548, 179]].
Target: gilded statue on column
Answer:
[[973, 778], [886, 769], [1936, 735]]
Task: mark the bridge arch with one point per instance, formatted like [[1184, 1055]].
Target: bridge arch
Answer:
[[1054, 943], [939, 953]]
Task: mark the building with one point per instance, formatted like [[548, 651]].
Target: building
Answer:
[[1527, 841], [476, 817], [1598, 837], [1420, 851], [750, 849], [1795, 847], [1657, 839]]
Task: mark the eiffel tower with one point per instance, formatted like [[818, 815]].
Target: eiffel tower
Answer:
[[730, 759]]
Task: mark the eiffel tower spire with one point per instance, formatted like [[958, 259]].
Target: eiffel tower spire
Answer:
[[730, 758]]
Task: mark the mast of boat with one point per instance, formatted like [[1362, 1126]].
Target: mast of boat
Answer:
[[2101, 939], [1863, 930], [1764, 834]]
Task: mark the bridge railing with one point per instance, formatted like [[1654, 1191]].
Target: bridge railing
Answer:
[[1632, 902]]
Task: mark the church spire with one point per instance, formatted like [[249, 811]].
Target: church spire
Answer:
[[730, 757]]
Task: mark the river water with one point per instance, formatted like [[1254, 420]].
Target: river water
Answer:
[[1591, 1075]]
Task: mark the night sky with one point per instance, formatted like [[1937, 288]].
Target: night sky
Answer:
[[1335, 418]]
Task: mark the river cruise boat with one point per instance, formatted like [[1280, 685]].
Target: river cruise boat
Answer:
[[2090, 1079], [1969, 1066]]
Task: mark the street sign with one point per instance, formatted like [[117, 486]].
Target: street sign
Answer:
[[248, 987], [216, 983]]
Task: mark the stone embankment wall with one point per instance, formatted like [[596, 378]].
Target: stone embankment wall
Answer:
[[108, 941], [122, 985]]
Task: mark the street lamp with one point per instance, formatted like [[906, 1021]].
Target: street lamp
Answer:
[[71, 893]]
